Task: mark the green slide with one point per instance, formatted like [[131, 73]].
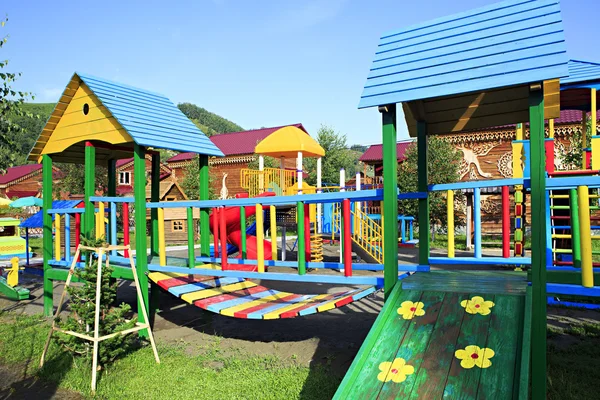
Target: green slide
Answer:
[[13, 293], [455, 335]]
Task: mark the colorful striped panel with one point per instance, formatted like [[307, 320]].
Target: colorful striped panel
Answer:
[[239, 298]]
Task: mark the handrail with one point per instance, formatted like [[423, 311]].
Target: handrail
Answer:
[[368, 235], [66, 211], [113, 199], [257, 181], [479, 184], [362, 195]]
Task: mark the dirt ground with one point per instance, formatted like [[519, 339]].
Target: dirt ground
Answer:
[[332, 338]]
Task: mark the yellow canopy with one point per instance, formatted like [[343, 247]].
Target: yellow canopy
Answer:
[[287, 142], [4, 202]]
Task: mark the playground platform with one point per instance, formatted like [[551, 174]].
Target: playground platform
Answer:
[[447, 335]]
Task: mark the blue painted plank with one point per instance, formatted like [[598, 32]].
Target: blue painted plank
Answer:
[[571, 182], [260, 313], [575, 290], [480, 261], [581, 71], [464, 18], [350, 280], [194, 287], [471, 49], [479, 184], [218, 307], [112, 199]]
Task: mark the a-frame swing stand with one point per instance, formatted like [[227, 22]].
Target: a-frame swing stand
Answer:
[[95, 339]]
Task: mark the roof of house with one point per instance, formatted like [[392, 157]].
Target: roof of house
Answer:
[[149, 118], [236, 143], [36, 220], [21, 193], [581, 71], [14, 173], [164, 188], [375, 152], [504, 44]]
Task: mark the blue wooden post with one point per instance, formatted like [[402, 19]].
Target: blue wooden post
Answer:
[[410, 229], [477, 221], [67, 238], [402, 230], [27, 245], [113, 226]]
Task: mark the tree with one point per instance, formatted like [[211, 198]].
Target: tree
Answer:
[[83, 306], [572, 157], [11, 106], [191, 181], [337, 156], [443, 162], [207, 122], [72, 179]]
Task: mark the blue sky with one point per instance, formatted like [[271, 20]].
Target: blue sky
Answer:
[[257, 63]]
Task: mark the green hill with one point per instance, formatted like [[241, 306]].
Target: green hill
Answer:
[[209, 123]]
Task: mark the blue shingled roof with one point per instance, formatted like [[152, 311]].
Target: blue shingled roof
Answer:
[[579, 72], [504, 44], [36, 220], [151, 119]]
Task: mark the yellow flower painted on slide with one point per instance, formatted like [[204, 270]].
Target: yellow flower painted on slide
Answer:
[[477, 305], [409, 309], [396, 371], [474, 356]]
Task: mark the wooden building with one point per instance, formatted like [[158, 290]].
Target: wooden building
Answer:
[[24, 181], [238, 148]]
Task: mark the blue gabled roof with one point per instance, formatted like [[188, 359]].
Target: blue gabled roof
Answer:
[[36, 220], [504, 44], [580, 72], [151, 119]]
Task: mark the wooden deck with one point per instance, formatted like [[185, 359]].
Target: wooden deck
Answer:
[[420, 347]]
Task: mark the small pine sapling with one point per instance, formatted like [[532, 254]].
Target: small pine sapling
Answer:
[[83, 306]]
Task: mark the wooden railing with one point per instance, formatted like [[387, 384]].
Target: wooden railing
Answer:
[[257, 182]]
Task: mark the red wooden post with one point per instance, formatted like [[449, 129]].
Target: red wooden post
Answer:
[[126, 227], [347, 238], [223, 232], [307, 243], [549, 144], [505, 222], [215, 223], [77, 233]]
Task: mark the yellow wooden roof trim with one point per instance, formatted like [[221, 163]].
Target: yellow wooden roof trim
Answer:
[[287, 142]]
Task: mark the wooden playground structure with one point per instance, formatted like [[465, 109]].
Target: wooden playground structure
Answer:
[[440, 333]]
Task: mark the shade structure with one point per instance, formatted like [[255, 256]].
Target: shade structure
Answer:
[[287, 142], [26, 202], [4, 203]]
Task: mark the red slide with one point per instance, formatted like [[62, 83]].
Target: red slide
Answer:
[[234, 229]]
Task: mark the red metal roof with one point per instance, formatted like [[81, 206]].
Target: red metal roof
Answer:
[[570, 117], [124, 161], [21, 193], [20, 171], [235, 143], [375, 152]]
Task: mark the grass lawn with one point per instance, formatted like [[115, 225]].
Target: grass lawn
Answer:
[[573, 355], [210, 374]]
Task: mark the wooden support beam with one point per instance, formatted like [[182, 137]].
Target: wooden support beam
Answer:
[[390, 198], [47, 232]]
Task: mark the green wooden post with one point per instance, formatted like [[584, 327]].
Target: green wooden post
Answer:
[[243, 228], [390, 199], [154, 197], [190, 232], [204, 194], [89, 186], [141, 259], [423, 178], [47, 231], [575, 234], [112, 186], [301, 237], [538, 244]]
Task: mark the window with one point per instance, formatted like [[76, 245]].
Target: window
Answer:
[[170, 198], [124, 178], [178, 226]]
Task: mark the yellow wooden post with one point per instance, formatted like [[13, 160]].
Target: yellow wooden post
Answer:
[[273, 230], [162, 253], [100, 221], [450, 212], [583, 138], [551, 128], [260, 237], [57, 235], [587, 272]]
